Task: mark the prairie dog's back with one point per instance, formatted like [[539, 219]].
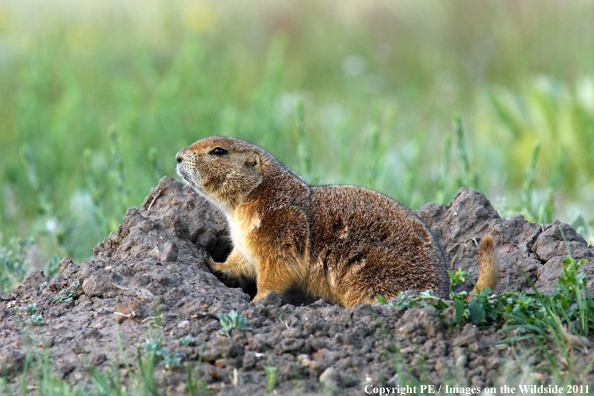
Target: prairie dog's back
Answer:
[[372, 244]]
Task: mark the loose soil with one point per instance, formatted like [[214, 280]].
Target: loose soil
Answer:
[[149, 278]]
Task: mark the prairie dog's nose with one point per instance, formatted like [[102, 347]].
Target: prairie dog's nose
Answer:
[[179, 155]]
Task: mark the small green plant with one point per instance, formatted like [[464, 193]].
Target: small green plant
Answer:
[[458, 299], [30, 309], [482, 309], [477, 309], [232, 320], [271, 377], [380, 299], [455, 278], [156, 353], [76, 286], [153, 347], [35, 320], [171, 360], [186, 340], [69, 293], [13, 262]]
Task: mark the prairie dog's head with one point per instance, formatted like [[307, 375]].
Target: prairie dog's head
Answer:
[[224, 169]]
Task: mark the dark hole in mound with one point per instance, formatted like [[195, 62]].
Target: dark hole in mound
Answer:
[[298, 297], [248, 286], [294, 295], [222, 248]]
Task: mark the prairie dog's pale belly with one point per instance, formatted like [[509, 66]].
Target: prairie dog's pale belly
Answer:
[[240, 232]]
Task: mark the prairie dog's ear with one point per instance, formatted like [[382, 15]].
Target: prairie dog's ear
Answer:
[[254, 160]]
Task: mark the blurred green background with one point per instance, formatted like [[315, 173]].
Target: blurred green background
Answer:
[[411, 98]]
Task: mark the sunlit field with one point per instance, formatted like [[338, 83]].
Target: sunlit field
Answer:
[[413, 99]]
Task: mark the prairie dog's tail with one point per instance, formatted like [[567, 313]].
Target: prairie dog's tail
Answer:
[[489, 266]]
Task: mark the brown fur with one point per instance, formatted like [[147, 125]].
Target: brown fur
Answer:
[[489, 269], [346, 244]]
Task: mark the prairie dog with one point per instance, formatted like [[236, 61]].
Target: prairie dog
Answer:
[[345, 244]]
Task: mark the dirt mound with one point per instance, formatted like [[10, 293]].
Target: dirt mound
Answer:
[[152, 270], [523, 247]]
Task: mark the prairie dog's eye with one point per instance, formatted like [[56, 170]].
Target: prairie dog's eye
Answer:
[[218, 151]]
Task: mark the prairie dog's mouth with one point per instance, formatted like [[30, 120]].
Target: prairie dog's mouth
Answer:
[[186, 175], [183, 172]]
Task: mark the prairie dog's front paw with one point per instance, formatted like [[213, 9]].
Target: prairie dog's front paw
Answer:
[[216, 268], [211, 263]]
